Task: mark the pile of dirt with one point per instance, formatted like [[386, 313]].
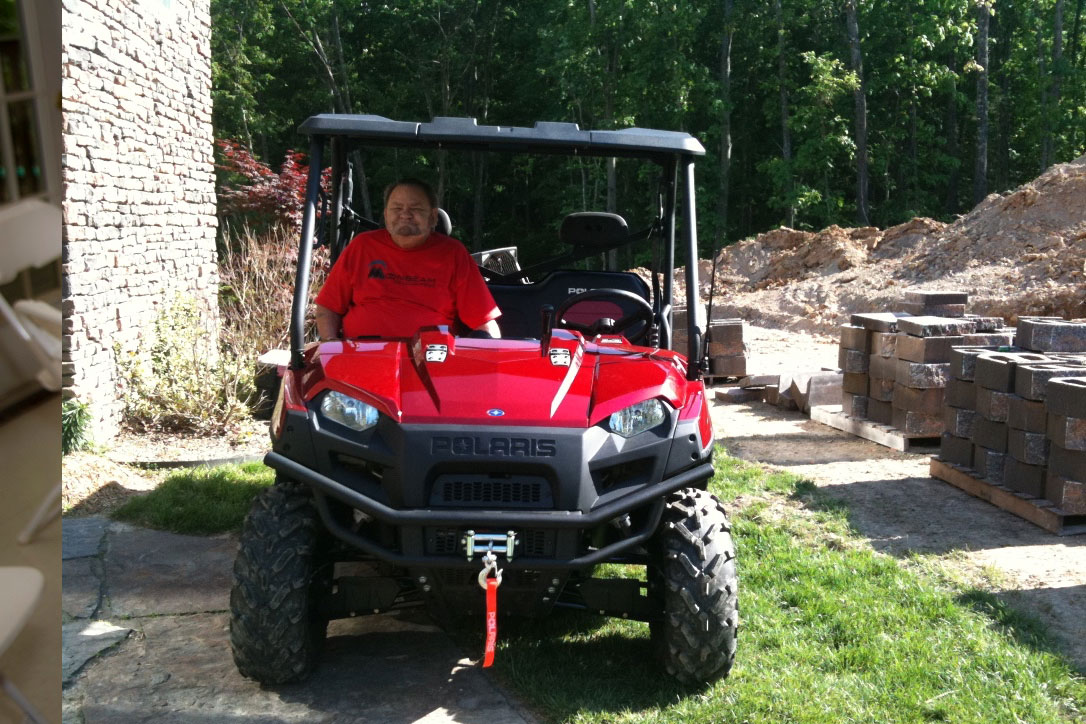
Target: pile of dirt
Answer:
[[1015, 254]]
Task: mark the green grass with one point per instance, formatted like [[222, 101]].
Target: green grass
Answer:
[[199, 501], [831, 631]]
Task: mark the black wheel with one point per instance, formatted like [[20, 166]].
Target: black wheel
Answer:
[[275, 632], [694, 572]]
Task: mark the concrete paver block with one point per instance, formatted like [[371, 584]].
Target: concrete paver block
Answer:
[[921, 296], [963, 360], [855, 383], [1066, 396], [1028, 415], [933, 310], [735, 366], [930, 401], [926, 349], [1027, 447], [1070, 464], [961, 393], [883, 367], [957, 450], [880, 412], [995, 339], [935, 326], [1024, 478], [1049, 335], [855, 337], [995, 370], [852, 360], [921, 376], [1067, 432], [917, 424], [1030, 380], [993, 405], [988, 464], [877, 321], [725, 331], [881, 389], [1068, 495], [854, 405], [959, 422], [884, 344], [990, 434], [989, 324], [727, 349]]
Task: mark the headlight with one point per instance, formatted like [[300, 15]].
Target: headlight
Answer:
[[638, 418], [348, 411]]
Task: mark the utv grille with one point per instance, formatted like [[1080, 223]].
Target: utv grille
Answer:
[[530, 543], [481, 491]]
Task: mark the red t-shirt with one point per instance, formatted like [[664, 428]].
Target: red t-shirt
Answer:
[[382, 290]]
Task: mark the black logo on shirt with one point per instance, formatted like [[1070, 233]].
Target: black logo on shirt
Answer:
[[377, 269]]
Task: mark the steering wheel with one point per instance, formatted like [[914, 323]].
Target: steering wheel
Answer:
[[643, 314]]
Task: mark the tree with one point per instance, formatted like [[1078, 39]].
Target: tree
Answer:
[[860, 104], [980, 169]]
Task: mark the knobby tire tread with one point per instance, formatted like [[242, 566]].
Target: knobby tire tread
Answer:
[[275, 635], [696, 571]]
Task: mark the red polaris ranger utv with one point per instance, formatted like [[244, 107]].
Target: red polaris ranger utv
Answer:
[[456, 471]]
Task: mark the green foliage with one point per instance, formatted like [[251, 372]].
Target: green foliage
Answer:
[[179, 379], [614, 63], [200, 501], [75, 420]]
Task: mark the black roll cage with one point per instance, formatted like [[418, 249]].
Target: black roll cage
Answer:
[[673, 151]]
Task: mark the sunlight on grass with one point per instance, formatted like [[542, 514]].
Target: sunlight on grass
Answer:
[[199, 501], [831, 631]]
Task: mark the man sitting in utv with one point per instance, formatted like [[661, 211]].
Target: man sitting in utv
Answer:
[[392, 281]]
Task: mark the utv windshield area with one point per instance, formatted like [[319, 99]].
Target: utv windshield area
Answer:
[[534, 294]]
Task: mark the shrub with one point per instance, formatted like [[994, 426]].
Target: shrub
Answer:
[[181, 379], [263, 198], [256, 273], [74, 423]]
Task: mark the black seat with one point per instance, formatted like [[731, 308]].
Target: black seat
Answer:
[[521, 304]]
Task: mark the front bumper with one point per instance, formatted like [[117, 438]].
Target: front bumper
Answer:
[[649, 497]]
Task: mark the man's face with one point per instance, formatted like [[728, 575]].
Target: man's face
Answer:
[[409, 217]]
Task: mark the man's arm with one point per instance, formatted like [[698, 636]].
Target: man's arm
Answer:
[[328, 322], [491, 328]]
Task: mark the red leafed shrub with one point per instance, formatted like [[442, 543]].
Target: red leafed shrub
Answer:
[[265, 199]]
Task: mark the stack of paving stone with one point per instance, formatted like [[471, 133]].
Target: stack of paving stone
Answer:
[[727, 353], [896, 365], [1017, 415], [867, 357]]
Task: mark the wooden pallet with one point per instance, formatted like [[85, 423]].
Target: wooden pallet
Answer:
[[711, 380], [1038, 511], [886, 435]]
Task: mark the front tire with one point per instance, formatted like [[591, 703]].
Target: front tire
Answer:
[[276, 634], [695, 573]]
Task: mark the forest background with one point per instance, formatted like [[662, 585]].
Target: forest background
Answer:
[[812, 112]]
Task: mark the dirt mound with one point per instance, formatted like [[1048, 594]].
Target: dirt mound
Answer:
[[1023, 252]]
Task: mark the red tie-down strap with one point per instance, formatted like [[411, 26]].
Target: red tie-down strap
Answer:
[[491, 621]]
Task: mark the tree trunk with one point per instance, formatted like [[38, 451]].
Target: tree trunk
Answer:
[[1004, 20], [951, 204], [980, 169], [1052, 120], [725, 122], [786, 134], [860, 105], [612, 206], [1074, 59]]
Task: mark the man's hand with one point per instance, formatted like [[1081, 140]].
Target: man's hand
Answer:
[[328, 323]]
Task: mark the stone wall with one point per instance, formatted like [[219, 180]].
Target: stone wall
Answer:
[[138, 172]]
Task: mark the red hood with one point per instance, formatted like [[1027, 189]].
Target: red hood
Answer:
[[438, 378]]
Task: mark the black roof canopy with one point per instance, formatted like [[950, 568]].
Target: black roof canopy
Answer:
[[543, 137]]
